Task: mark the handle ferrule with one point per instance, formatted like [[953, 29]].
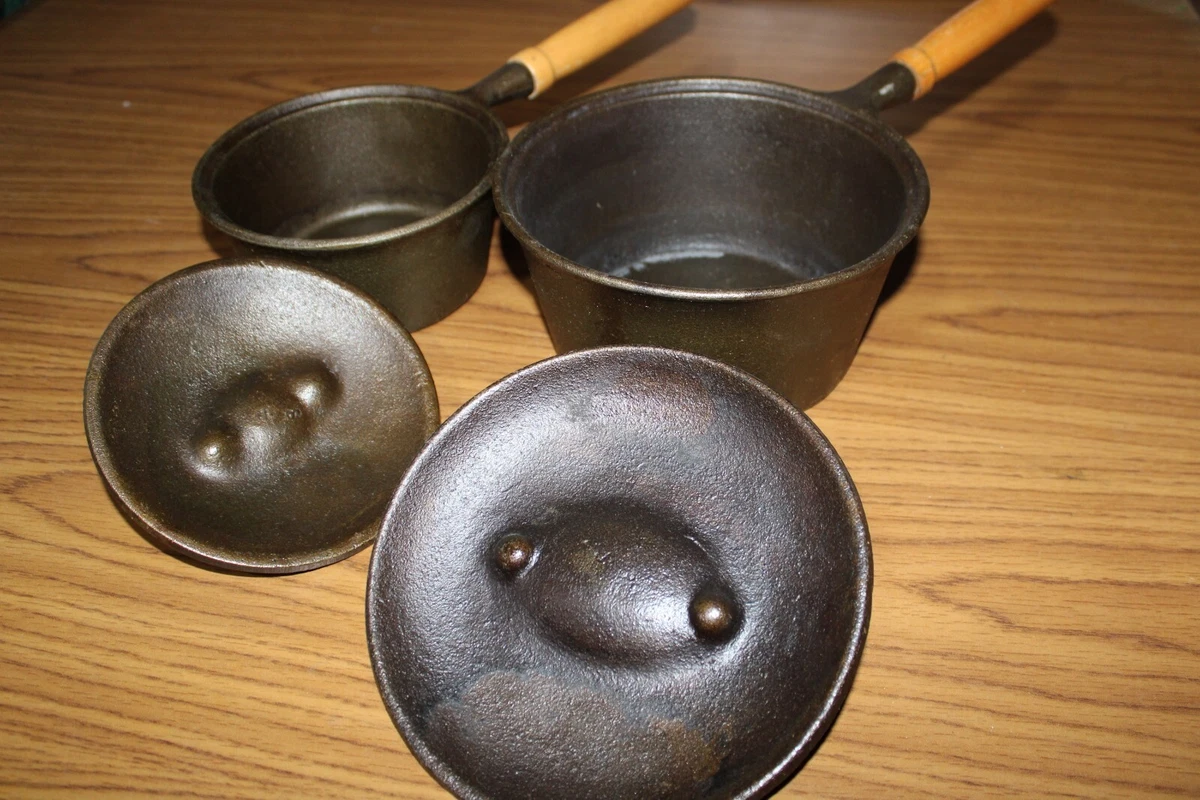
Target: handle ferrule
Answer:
[[591, 36], [964, 36]]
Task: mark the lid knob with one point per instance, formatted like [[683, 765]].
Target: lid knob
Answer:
[[513, 553], [713, 616]]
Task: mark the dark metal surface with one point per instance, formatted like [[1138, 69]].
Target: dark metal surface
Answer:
[[620, 573], [509, 82], [256, 415], [385, 187], [747, 221], [890, 85]]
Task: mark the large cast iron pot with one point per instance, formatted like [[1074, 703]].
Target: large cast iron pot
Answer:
[[748, 221]]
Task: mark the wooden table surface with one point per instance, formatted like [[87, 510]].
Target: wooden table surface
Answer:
[[1022, 421]]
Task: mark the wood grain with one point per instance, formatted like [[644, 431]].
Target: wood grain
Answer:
[[1022, 421]]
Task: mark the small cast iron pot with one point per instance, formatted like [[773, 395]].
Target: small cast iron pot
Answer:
[[387, 187], [748, 221]]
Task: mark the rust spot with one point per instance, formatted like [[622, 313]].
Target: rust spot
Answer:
[[575, 741]]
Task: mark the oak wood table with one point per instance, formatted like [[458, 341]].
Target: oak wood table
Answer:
[[1022, 420]]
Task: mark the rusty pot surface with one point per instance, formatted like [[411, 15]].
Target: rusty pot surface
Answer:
[[620, 573]]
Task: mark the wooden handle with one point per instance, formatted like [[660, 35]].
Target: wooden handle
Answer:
[[591, 36], [964, 36]]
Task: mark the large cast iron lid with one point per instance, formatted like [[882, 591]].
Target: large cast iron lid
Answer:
[[620, 573], [256, 415]]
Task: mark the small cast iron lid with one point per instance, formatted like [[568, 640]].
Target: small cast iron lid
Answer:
[[620, 573], [256, 415]]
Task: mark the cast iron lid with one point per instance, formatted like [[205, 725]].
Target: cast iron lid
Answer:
[[256, 415], [620, 573]]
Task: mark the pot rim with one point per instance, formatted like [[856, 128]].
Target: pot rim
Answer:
[[210, 164], [884, 137]]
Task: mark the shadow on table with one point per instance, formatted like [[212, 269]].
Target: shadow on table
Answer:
[[13, 10], [221, 244], [898, 274], [909, 118]]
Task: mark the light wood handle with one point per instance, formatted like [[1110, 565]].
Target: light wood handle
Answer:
[[591, 36], [964, 36]]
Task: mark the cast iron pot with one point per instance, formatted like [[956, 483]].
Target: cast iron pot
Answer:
[[387, 187], [748, 221]]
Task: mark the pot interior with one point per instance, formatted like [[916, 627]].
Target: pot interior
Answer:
[[345, 166], [713, 188]]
